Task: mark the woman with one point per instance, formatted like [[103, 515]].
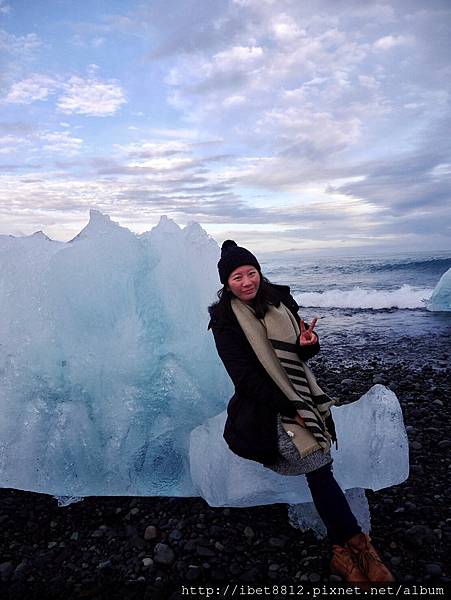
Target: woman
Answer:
[[278, 415]]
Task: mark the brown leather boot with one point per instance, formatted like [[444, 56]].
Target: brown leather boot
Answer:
[[368, 560], [344, 562]]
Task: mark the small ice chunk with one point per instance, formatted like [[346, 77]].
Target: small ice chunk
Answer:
[[441, 296], [67, 500], [305, 516]]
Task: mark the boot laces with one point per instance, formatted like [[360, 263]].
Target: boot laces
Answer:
[[364, 559], [355, 560]]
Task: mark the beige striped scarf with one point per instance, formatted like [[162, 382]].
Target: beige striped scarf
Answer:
[[273, 340]]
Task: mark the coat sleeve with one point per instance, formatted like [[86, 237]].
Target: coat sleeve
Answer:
[[246, 372]]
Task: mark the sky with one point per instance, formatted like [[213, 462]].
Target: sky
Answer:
[[283, 124]]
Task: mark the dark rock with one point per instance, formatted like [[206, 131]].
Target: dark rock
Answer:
[[151, 532], [235, 569], [433, 569], [193, 573], [190, 546], [419, 535], [21, 570], [416, 470], [175, 535], [163, 554], [218, 574], [277, 542], [205, 552], [252, 575], [6, 569]]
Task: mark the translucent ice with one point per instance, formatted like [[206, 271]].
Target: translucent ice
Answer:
[[305, 516], [105, 359], [106, 367], [441, 296], [372, 454]]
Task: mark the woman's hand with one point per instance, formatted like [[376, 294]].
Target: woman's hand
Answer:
[[308, 337]]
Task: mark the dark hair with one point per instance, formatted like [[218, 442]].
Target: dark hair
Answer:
[[266, 296]]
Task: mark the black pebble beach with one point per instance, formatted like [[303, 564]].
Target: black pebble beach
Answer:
[[145, 548]]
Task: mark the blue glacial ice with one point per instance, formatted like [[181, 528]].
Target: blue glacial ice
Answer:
[[441, 296], [105, 360], [110, 383]]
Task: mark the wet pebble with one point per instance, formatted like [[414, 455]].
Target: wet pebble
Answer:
[[163, 554], [433, 569]]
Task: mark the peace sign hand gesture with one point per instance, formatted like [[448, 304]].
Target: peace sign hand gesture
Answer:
[[308, 337]]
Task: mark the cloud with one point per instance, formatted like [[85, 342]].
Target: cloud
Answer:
[[309, 133], [16, 127], [61, 143], [91, 97], [4, 8], [23, 46], [78, 95], [97, 42], [27, 142], [390, 41], [36, 87], [319, 117], [9, 144]]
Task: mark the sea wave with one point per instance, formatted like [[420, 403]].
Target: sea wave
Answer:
[[337, 267], [404, 297], [431, 264]]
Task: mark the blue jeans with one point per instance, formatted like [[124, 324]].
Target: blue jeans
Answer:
[[332, 506]]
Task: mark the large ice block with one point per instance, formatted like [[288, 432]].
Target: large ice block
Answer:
[[372, 453], [106, 363]]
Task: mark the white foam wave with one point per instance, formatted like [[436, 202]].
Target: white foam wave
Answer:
[[404, 297]]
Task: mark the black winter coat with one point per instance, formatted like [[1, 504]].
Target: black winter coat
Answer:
[[251, 426]]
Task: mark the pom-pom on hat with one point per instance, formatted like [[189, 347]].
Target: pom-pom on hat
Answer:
[[232, 257]]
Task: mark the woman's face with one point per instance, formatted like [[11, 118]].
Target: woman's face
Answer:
[[244, 282]]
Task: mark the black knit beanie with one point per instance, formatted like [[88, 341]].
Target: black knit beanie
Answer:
[[232, 257]]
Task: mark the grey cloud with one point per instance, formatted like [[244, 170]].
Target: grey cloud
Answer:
[[17, 128], [400, 194], [410, 180], [19, 167], [423, 223], [154, 153], [191, 26], [220, 81]]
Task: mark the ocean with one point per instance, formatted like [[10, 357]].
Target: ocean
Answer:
[[372, 303]]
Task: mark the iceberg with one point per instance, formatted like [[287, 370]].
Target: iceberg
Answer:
[[110, 383], [105, 360], [441, 296]]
